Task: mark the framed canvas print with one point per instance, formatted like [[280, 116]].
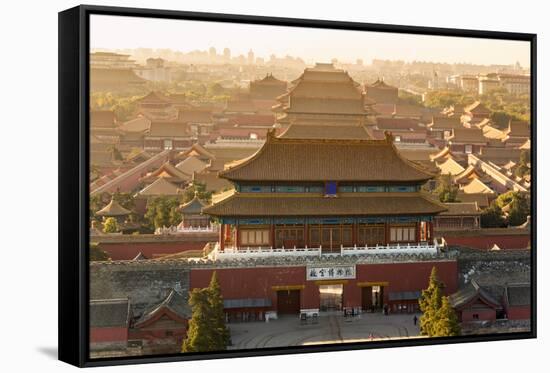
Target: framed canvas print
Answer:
[[237, 186]]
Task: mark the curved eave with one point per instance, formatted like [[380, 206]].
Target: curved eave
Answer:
[[374, 204]]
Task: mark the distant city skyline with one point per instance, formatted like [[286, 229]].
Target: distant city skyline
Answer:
[[312, 45]]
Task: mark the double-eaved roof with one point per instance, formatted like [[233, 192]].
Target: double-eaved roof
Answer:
[[312, 204], [287, 159]]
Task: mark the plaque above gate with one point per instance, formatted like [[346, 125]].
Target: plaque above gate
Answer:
[[335, 272]]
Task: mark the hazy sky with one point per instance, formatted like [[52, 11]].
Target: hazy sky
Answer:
[[114, 32]]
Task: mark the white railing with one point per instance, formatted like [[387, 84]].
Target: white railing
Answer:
[[265, 252], [180, 229]]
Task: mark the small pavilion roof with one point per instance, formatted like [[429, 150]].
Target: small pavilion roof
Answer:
[[192, 207], [113, 209], [139, 124], [283, 159]]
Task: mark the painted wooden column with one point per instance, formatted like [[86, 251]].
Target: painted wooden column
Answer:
[[354, 233], [272, 235], [222, 236], [431, 227], [237, 236], [306, 234]]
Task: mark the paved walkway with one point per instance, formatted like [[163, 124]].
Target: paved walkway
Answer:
[[331, 328]]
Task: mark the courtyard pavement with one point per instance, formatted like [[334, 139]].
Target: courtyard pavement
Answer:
[[331, 328]]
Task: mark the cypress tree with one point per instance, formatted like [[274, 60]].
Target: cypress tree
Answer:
[[199, 335], [222, 336], [446, 324], [430, 303]]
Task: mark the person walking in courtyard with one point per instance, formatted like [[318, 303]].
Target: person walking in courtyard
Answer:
[[415, 319]]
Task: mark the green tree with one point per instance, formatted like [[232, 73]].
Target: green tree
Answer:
[[200, 190], [162, 212], [96, 254], [199, 335], [492, 217], [446, 190], [430, 303], [519, 210], [446, 323], [207, 329], [110, 225], [523, 168], [221, 332]]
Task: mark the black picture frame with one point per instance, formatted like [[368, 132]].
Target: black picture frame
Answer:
[[74, 186]]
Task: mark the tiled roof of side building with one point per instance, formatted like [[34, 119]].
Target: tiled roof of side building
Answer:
[[469, 293], [191, 164], [169, 129], [281, 159], [174, 302], [518, 294], [240, 204], [160, 187], [109, 313], [461, 208], [397, 123], [102, 118], [476, 186], [481, 199], [322, 131], [450, 166], [468, 136], [443, 122]]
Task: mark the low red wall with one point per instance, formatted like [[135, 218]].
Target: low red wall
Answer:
[[487, 242], [98, 335], [129, 250], [239, 283], [519, 313]]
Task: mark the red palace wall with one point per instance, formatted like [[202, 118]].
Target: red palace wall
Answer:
[[239, 283], [483, 315], [519, 313], [486, 242], [98, 335], [129, 250]]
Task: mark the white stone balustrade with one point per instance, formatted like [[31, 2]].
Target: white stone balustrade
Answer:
[[266, 252]]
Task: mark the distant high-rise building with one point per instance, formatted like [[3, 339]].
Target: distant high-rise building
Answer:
[[359, 62], [226, 54], [250, 57], [212, 52]]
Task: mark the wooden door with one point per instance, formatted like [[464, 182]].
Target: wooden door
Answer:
[[288, 302]]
